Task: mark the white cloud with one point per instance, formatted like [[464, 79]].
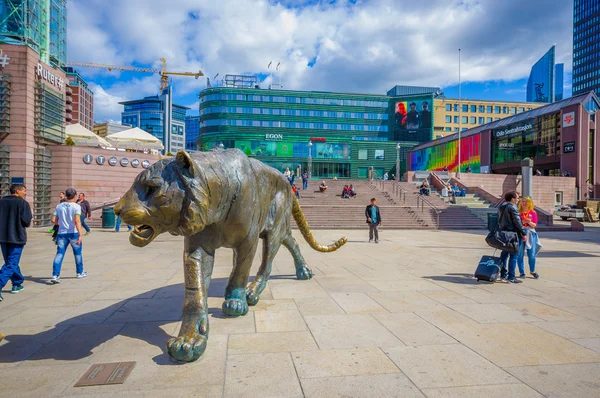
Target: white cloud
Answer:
[[364, 47]]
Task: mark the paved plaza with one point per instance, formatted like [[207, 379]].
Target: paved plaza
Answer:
[[402, 318]]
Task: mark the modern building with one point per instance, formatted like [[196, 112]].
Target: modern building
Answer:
[[159, 116], [559, 82], [192, 133], [82, 107], [413, 90], [472, 113], [563, 136], [586, 46], [32, 119], [39, 24], [108, 128], [540, 86], [340, 134]]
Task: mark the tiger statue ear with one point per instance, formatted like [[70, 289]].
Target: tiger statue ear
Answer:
[[186, 163]]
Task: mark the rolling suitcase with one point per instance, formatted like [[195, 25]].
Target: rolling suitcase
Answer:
[[488, 269]]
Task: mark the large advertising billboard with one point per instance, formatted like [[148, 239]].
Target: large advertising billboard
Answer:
[[413, 119]]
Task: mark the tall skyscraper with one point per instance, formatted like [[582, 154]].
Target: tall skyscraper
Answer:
[[540, 86], [559, 81], [39, 24], [586, 45]]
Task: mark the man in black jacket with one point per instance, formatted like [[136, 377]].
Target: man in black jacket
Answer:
[[16, 216], [373, 219], [509, 220]]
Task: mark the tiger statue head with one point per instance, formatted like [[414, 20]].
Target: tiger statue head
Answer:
[[169, 196]]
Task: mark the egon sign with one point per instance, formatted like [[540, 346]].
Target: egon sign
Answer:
[[49, 77]]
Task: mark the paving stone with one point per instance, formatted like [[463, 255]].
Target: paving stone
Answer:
[[357, 303], [592, 344], [363, 386], [489, 391], [350, 331], [261, 375], [448, 297], [27, 381], [404, 286], [492, 313], [318, 306], [450, 365], [330, 363], [572, 329], [293, 289], [274, 305], [406, 301], [271, 342], [143, 310], [562, 381], [542, 311], [413, 330], [279, 321]]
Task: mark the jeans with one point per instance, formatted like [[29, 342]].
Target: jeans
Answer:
[[62, 241], [10, 270], [305, 184], [512, 264], [530, 255], [83, 224], [373, 230], [118, 225]]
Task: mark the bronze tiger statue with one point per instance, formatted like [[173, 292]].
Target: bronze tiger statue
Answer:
[[216, 199]]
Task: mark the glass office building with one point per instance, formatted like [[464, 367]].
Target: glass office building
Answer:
[[39, 24], [559, 81], [348, 133], [158, 116], [586, 46], [192, 132], [540, 86]]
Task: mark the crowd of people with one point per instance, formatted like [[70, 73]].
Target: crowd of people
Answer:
[[348, 192]]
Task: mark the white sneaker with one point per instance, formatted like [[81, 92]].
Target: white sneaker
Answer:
[[82, 275], [55, 279]]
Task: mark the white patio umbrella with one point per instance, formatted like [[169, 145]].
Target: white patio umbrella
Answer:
[[134, 138], [84, 137]]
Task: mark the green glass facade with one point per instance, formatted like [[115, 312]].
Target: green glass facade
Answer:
[[349, 132]]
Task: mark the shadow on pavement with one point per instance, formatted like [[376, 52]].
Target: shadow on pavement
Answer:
[[76, 337], [463, 279]]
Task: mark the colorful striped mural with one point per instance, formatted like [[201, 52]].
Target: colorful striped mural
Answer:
[[439, 156]]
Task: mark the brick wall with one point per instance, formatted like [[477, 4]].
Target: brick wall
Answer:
[[100, 183]]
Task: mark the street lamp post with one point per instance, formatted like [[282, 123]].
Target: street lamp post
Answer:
[[310, 144], [398, 162], [459, 117]]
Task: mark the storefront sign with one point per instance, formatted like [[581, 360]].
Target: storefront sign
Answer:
[[506, 145], [135, 163], [124, 162], [274, 137], [87, 158], [568, 119], [100, 160], [145, 164], [513, 130], [569, 147], [318, 139], [49, 77], [113, 161]]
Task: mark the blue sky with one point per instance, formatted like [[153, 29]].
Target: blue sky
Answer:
[[355, 46]]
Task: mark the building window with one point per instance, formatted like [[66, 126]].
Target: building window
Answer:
[[362, 154], [496, 118], [505, 110], [488, 109], [448, 107], [481, 109], [481, 120], [473, 120], [448, 119], [448, 129], [455, 128], [496, 109], [465, 120], [513, 110], [465, 108], [488, 119], [455, 119], [473, 108], [455, 107], [379, 154], [521, 110]]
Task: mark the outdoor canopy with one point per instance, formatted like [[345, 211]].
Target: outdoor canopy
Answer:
[[135, 138], [84, 137]]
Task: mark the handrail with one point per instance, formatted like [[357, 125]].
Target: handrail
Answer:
[[431, 206], [397, 190], [106, 203]]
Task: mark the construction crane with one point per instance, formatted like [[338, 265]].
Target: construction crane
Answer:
[[164, 74]]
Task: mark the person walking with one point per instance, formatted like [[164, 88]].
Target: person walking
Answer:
[[86, 212], [532, 246], [68, 217], [510, 221], [15, 218], [305, 181], [373, 219]]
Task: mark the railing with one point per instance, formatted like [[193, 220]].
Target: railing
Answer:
[[422, 203], [110, 202], [397, 190]]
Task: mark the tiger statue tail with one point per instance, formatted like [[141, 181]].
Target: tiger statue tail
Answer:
[[308, 236]]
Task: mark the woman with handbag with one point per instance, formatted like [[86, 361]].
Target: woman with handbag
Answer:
[[509, 221], [532, 246]]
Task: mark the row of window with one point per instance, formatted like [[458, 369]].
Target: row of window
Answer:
[[587, 85], [143, 106], [587, 58], [453, 129], [486, 109], [584, 68], [471, 120], [293, 125], [176, 130], [293, 112], [293, 100], [586, 76], [583, 9], [586, 27], [587, 49], [586, 41]]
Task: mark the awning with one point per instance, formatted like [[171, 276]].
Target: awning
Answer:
[[84, 137], [134, 138]]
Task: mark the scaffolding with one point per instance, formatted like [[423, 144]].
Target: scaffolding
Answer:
[[4, 105], [42, 180], [39, 24]]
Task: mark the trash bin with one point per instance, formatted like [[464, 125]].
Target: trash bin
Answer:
[[108, 217], [492, 221]]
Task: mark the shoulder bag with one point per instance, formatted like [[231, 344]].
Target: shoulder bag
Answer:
[[503, 240]]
